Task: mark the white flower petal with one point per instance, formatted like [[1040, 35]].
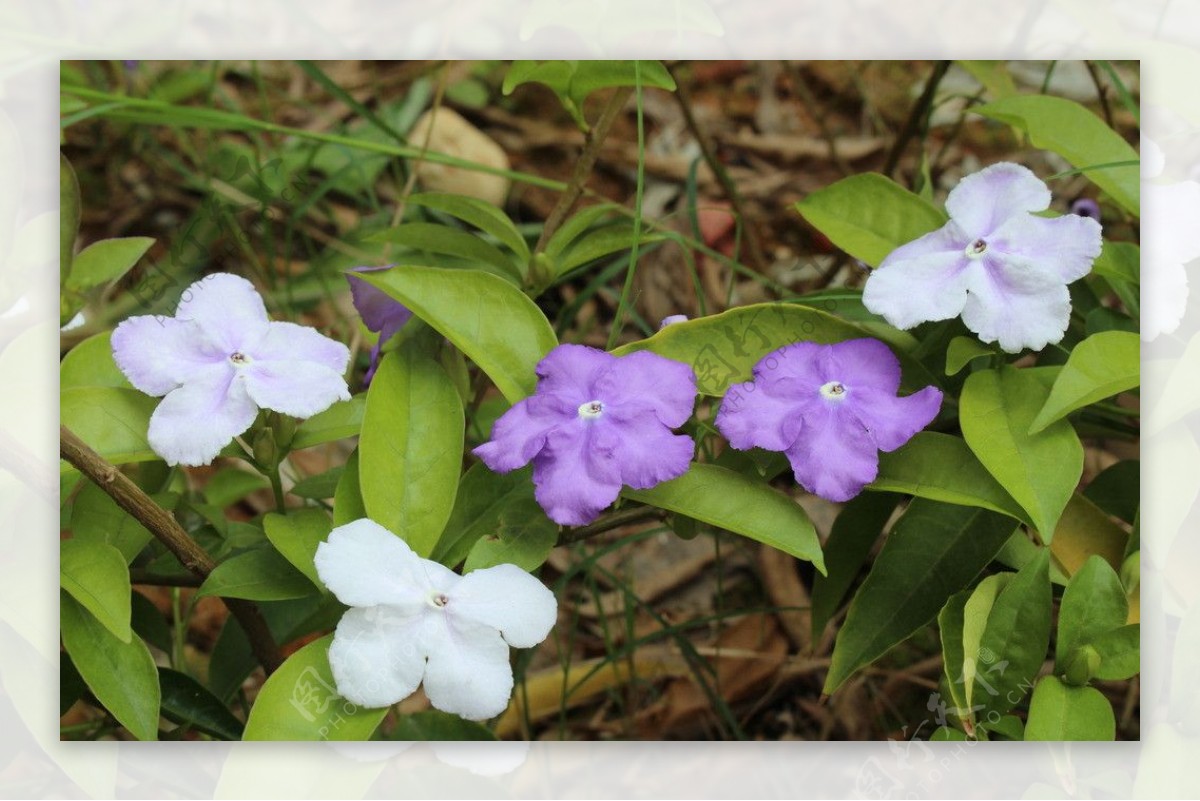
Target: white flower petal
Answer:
[[377, 655], [983, 200], [1062, 248], [921, 281], [468, 672], [289, 342], [195, 421], [506, 598], [364, 564], [1015, 306], [227, 307], [300, 389], [157, 354]]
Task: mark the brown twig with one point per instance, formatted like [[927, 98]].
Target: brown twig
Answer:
[[161, 524], [624, 517], [583, 167], [919, 110]]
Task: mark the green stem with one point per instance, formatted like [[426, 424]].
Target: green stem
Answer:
[[276, 486], [623, 303]]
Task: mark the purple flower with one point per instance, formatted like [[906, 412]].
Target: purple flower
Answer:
[[1086, 207], [830, 408], [1004, 269], [596, 422], [379, 311], [671, 320], [219, 360]]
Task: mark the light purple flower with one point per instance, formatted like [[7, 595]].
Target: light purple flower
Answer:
[[380, 312], [1004, 269], [219, 360], [413, 620], [1086, 207], [830, 409], [596, 422]]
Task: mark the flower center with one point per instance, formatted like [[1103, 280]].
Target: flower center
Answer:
[[834, 390], [438, 599], [591, 410], [239, 358], [976, 249]]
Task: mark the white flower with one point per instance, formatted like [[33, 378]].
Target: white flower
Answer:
[[415, 620]]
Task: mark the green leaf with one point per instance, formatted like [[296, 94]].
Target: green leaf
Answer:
[[720, 497], [148, 622], [1016, 639], [722, 349], [436, 726], [69, 214], [1040, 471], [296, 536], [855, 530], [106, 261], [1093, 604], [932, 552], [869, 215], [1083, 531], [434, 238], [1079, 136], [342, 419], [319, 487], [573, 81], [975, 617], [485, 501], [600, 242], [496, 325], [187, 702], [951, 621], [258, 575], [230, 485], [961, 351], [71, 685], [1120, 653], [300, 702], [90, 364], [946, 734], [95, 575], [575, 226], [112, 421], [1119, 263], [522, 535], [1010, 727], [121, 675], [942, 467], [1058, 712], [1099, 367], [479, 213], [993, 75], [96, 518], [347, 498], [411, 448]]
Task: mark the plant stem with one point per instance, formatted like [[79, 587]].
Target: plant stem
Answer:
[[625, 517], [162, 524], [919, 110], [276, 486]]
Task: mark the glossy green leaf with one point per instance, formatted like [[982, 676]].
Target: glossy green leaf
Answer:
[[855, 530], [347, 498], [411, 448], [1079, 136], [434, 238], [112, 421], [1014, 642], [1040, 471], [932, 552], [869, 215], [479, 213], [90, 364], [258, 575], [723, 348], [187, 702], [1120, 652], [1099, 367], [121, 675], [522, 535], [96, 518], [495, 324], [1059, 712], [1093, 604], [342, 419], [105, 261], [296, 536], [69, 215], [300, 702], [485, 501], [941, 467], [95, 575], [720, 497], [961, 351], [436, 726]]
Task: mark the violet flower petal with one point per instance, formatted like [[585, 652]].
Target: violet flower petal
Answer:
[[892, 421], [644, 381], [380, 312], [751, 416], [983, 200], [573, 369], [834, 457], [196, 420], [575, 475], [649, 453], [520, 433], [864, 363]]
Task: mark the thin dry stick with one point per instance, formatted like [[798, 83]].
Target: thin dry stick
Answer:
[[161, 524], [753, 245], [919, 110], [583, 168]]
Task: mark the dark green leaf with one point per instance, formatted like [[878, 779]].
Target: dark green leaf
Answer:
[[975, 616], [479, 213], [601, 242], [1058, 712], [186, 701], [1117, 490], [71, 686], [95, 575], [149, 623], [961, 351], [1120, 265], [69, 214], [230, 485], [1099, 367], [932, 552], [258, 575], [484, 500], [951, 622], [573, 81], [855, 530], [411, 448], [729, 500], [121, 675]]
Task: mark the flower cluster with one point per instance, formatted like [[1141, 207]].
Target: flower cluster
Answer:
[[413, 620], [830, 409], [996, 262], [218, 361], [597, 422]]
